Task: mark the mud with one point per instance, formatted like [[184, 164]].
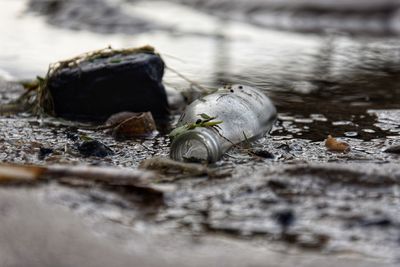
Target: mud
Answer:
[[340, 203], [76, 243]]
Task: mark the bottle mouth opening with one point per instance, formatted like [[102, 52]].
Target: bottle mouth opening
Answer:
[[196, 146]]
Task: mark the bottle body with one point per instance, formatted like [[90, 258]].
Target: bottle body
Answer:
[[246, 114]]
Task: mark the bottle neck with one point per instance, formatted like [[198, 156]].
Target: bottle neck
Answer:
[[197, 145]]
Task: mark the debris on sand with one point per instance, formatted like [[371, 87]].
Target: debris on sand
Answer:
[[333, 145], [213, 124], [126, 125], [393, 149], [44, 152], [94, 148], [176, 169]]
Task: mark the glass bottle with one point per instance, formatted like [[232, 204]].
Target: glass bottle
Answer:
[[245, 114]]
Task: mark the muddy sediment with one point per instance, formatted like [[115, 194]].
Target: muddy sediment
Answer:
[[304, 196]]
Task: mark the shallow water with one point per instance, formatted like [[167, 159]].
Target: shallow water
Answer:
[[336, 76], [338, 84]]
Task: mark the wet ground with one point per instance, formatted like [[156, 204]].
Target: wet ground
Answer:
[[301, 198]]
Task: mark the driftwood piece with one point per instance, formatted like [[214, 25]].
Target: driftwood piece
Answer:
[[13, 173], [20, 174]]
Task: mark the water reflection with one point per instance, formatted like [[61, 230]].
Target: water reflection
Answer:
[[222, 52], [342, 79]]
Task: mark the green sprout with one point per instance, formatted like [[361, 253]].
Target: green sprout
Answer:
[[205, 121], [115, 61]]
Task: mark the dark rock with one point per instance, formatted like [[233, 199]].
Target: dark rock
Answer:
[[95, 89], [393, 149], [285, 218], [262, 153], [379, 222], [72, 136], [284, 147], [277, 184], [43, 152], [94, 148]]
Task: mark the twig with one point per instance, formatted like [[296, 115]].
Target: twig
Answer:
[[202, 88]]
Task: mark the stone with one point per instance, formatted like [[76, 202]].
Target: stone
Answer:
[[96, 88]]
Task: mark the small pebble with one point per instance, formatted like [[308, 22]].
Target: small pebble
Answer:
[[333, 145], [318, 117], [393, 149], [262, 153], [94, 148], [303, 120], [339, 123], [43, 152], [72, 136], [368, 130], [380, 222], [285, 218], [351, 134]]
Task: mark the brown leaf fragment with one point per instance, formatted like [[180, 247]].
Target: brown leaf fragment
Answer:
[[125, 125], [333, 145]]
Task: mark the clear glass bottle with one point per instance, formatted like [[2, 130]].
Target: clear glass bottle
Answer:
[[246, 114]]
